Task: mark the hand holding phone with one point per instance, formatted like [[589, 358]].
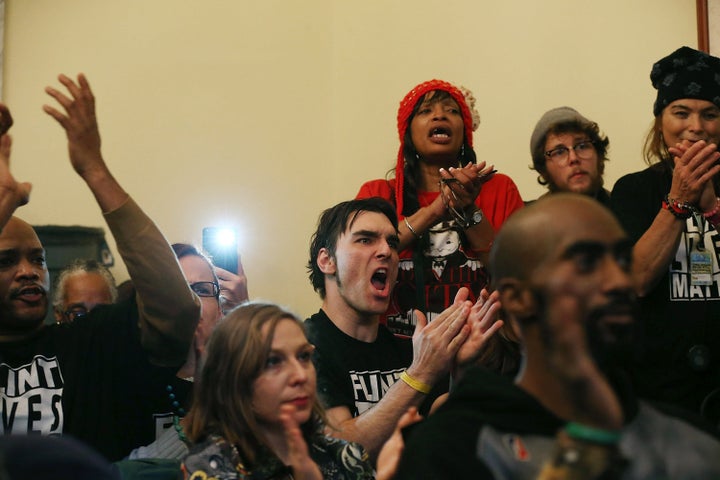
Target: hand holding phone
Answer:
[[220, 244], [233, 287]]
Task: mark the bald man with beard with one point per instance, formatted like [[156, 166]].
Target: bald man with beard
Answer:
[[570, 295]]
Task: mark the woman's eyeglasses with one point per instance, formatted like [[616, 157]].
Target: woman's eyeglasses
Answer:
[[206, 289]]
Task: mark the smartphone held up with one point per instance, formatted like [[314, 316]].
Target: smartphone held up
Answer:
[[221, 245]]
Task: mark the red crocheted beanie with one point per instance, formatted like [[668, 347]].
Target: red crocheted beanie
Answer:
[[406, 107]]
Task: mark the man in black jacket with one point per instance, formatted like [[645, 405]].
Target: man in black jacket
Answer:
[[570, 294]]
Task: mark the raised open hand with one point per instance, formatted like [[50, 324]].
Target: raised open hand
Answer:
[[13, 194], [435, 344], [79, 122], [484, 323], [304, 468]]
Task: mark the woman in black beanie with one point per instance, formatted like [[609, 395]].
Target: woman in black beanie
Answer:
[[672, 211]]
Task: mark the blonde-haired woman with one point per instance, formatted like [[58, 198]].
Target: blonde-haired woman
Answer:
[[256, 413], [671, 211]]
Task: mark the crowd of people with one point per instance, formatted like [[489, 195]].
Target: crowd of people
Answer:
[[462, 332]]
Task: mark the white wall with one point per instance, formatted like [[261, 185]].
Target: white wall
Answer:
[[264, 113]]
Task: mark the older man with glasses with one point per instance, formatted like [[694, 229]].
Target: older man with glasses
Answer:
[[80, 287], [569, 154]]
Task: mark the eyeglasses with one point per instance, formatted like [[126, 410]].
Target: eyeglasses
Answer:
[[75, 313], [583, 150], [206, 289]]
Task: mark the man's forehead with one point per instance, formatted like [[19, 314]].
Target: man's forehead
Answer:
[[19, 234], [580, 220], [91, 284], [554, 136], [605, 235], [365, 220], [582, 244], [83, 277]]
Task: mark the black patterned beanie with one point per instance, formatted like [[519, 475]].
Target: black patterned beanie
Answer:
[[686, 73]]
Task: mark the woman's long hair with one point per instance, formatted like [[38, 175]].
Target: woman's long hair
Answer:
[[655, 151], [236, 356]]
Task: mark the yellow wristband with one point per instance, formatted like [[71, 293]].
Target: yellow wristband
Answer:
[[415, 384]]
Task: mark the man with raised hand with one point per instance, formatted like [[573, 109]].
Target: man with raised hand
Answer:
[[87, 379]]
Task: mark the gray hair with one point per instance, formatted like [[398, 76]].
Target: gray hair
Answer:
[[82, 265]]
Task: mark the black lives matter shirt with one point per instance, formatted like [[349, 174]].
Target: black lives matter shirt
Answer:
[[90, 379], [678, 354]]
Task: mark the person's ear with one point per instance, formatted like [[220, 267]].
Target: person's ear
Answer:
[[517, 300], [326, 262]]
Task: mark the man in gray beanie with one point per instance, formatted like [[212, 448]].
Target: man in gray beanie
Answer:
[[569, 154]]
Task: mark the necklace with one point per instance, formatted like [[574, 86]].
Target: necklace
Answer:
[[174, 402], [179, 429], [178, 413]]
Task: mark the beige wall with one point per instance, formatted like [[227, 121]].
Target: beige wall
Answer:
[[263, 113]]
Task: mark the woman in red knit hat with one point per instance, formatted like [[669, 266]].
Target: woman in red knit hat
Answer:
[[448, 205]]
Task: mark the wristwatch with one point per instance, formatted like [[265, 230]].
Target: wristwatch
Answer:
[[473, 218]]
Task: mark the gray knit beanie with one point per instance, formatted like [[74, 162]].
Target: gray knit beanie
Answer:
[[550, 119]]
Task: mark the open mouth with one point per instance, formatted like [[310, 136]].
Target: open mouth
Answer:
[[379, 279], [29, 294], [440, 133]]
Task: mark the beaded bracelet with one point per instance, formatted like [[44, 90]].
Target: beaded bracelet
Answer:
[[414, 383], [681, 210], [590, 434], [713, 216], [577, 458]]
